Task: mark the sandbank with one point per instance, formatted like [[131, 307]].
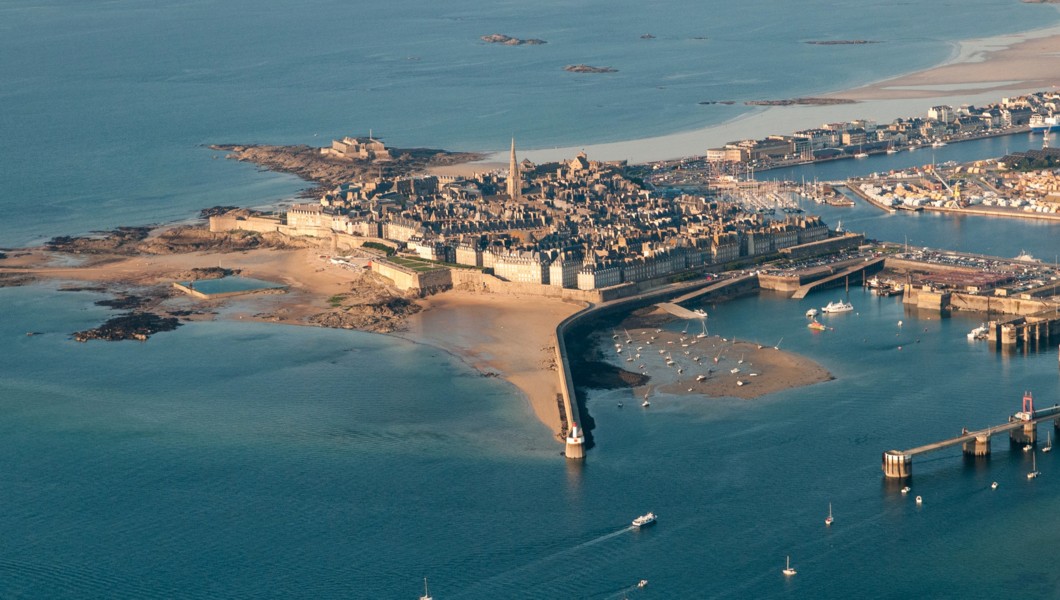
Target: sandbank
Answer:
[[980, 71], [704, 366]]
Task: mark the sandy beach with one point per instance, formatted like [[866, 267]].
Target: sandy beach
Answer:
[[980, 71], [509, 336]]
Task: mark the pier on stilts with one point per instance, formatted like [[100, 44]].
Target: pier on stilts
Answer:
[[1022, 428]]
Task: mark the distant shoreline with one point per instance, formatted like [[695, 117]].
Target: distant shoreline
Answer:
[[980, 70]]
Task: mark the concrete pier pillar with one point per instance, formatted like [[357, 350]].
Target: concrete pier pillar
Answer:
[[1028, 434], [980, 446], [897, 465]]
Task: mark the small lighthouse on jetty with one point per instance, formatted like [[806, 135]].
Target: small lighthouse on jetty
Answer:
[[575, 442]]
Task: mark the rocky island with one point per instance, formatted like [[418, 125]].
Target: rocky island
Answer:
[[132, 326], [588, 69], [312, 164], [840, 42], [507, 40]]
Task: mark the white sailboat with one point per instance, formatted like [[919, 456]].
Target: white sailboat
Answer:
[[829, 520], [1034, 467], [787, 568], [426, 595], [1048, 442]]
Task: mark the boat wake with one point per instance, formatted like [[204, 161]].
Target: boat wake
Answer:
[[500, 579]]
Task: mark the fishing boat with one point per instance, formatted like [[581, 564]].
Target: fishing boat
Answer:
[[787, 568], [644, 520], [829, 520], [426, 594], [837, 307]]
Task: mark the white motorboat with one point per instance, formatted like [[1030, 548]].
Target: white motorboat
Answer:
[[993, 486], [811, 313], [837, 307], [644, 520], [643, 583], [906, 489], [787, 568], [919, 500]]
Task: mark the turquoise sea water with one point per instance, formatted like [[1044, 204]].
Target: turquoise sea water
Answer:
[[242, 460], [106, 104]]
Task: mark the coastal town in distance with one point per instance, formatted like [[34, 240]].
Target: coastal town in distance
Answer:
[[609, 235]]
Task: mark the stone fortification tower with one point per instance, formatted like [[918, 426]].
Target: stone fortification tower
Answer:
[[515, 186]]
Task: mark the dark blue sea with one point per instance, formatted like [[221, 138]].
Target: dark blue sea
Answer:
[[238, 460]]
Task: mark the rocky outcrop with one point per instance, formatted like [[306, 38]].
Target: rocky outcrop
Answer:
[[370, 305], [132, 326], [131, 241], [840, 42], [507, 40], [588, 69], [308, 163]]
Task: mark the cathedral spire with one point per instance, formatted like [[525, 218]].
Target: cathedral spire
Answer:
[[514, 179]]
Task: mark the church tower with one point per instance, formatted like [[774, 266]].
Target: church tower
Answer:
[[514, 179]]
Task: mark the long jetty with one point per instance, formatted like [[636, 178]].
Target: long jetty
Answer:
[[575, 437], [865, 267], [1022, 428]]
